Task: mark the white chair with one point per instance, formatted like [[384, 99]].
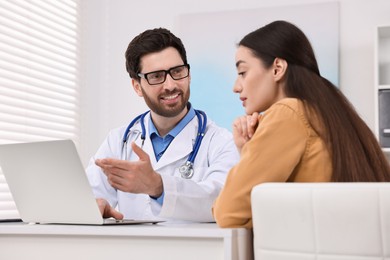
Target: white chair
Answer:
[[321, 221]]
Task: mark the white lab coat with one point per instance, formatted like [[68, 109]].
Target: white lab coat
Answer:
[[185, 199]]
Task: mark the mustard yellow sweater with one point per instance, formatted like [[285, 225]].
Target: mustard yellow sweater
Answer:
[[284, 148]]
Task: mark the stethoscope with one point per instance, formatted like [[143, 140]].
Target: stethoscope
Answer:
[[187, 169]]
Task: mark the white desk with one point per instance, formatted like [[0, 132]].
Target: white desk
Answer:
[[154, 242]]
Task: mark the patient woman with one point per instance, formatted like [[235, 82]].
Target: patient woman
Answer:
[[307, 130]]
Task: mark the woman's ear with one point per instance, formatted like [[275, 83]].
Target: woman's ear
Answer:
[[137, 87], [280, 68]]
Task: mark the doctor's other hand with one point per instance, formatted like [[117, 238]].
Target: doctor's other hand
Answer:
[[107, 211], [243, 129], [135, 177]]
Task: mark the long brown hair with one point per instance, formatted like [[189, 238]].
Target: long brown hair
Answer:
[[355, 152]]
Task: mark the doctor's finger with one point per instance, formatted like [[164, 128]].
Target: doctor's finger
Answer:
[[139, 152], [105, 163], [128, 184], [105, 168], [110, 163], [99, 162], [116, 181], [113, 213], [107, 211], [119, 172]]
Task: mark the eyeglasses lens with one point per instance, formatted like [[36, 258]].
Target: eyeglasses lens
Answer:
[[159, 77]]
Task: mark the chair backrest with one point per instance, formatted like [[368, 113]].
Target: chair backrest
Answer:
[[322, 221]]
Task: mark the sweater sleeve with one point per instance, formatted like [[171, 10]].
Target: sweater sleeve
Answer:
[[271, 155]]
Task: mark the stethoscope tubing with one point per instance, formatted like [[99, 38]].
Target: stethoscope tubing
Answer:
[[202, 124], [201, 132], [132, 123]]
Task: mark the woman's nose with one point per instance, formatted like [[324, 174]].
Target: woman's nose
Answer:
[[237, 88]]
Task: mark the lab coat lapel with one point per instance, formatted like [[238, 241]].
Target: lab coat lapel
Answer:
[[181, 146]]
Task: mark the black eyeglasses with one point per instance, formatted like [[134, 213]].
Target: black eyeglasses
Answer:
[[159, 76]]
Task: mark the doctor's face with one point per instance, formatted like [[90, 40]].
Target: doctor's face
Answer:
[[169, 98]]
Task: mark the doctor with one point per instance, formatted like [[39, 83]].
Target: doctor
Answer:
[[169, 163]]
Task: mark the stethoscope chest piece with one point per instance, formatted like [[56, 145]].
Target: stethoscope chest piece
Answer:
[[186, 170]]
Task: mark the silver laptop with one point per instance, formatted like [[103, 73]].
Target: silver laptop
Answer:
[[49, 184]]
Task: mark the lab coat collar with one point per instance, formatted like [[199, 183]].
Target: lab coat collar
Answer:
[[180, 147]]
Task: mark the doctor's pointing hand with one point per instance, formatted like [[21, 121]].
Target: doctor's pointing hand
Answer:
[[135, 176]]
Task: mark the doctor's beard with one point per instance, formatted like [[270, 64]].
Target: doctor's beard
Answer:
[[168, 111]]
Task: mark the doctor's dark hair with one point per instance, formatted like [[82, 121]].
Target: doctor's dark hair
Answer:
[[355, 153], [150, 41]]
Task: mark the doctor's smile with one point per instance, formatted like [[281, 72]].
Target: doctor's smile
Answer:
[[172, 98]]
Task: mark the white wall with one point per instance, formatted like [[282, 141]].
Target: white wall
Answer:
[[108, 100]]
